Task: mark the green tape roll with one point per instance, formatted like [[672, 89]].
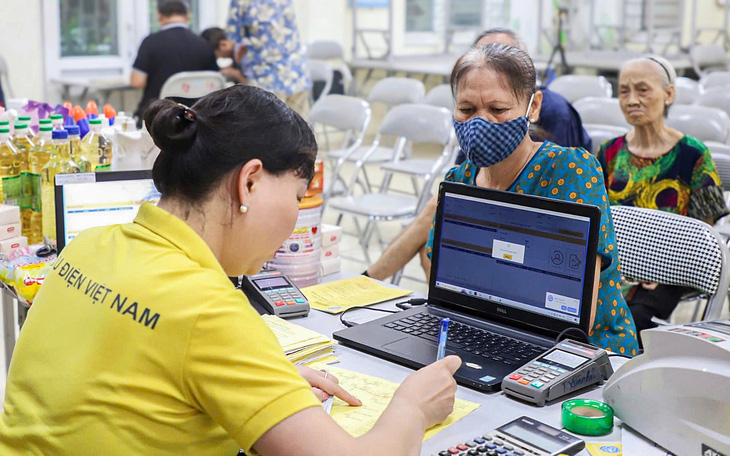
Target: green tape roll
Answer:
[[587, 417]]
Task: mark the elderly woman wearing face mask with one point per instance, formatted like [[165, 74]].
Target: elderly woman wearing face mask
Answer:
[[657, 167], [496, 100]]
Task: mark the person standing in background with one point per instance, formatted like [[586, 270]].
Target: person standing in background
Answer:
[[268, 45], [172, 50]]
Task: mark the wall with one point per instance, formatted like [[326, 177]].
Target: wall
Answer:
[[21, 45]]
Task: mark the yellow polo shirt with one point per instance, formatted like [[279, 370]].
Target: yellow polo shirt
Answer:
[[138, 344]]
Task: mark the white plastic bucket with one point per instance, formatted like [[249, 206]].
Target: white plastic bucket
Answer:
[[299, 257]]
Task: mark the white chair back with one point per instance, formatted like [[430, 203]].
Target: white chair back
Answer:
[[418, 123], [574, 87], [719, 97], [702, 122], [341, 112], [192, 84], [715, 79], [722, 165], [321, 71], [440, 96], [396, 91], [601, 111], [707, 57], [324, 50], [686, 90], [602, 133]]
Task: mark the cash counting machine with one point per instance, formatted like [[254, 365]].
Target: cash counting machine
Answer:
[[677, 393]]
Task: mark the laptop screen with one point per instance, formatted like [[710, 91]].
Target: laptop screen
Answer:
[[511, 255], [97, 199]]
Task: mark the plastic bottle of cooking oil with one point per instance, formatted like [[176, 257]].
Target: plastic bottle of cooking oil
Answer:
[[97, 147], [60, 163], [9, 169], [39, 156], [23, 141]]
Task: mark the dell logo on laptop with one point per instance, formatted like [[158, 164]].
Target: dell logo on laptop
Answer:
[[501, 310]]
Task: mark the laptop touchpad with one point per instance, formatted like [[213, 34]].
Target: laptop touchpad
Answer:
[[413, 349]]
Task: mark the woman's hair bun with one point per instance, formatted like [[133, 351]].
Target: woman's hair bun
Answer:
[[171, 129]]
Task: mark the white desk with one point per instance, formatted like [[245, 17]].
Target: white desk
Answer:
[[496, 409]]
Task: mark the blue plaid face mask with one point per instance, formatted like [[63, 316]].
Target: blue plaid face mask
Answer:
[[486, 143]]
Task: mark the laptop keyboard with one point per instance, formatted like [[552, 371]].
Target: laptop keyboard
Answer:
[[470, 339]]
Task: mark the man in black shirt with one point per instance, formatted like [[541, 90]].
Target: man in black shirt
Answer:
[[173, 49]]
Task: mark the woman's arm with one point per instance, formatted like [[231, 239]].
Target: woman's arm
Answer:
[[425, 398]]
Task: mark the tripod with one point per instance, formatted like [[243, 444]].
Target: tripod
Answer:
[[562, 12]]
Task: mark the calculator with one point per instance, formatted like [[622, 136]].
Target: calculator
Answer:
[[276, 294], [567, 367], [522, 437]]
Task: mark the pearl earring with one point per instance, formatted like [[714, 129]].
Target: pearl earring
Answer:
[[666, 102], [244, 208]]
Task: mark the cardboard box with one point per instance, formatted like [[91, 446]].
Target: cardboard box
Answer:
[[10, 231], [9, 214], [331, 234], [13, 243], [330, 266], [332, 251]]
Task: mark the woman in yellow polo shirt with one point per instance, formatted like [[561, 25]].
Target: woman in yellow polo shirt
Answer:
[[137, 343]]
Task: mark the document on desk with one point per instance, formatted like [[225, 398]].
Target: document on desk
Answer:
[[301, 345], [375, 394], [337, 296]]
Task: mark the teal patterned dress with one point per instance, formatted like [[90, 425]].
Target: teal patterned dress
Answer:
[[575, 175]]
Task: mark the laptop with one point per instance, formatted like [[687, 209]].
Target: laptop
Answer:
[[511, 271], [86, 200]]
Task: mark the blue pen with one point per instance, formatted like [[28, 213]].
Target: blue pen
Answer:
[[443, 335]]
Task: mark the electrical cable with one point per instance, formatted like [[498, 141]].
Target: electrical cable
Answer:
[[403, 305]]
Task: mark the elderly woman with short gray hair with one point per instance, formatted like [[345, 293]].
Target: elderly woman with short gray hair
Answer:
[[657, 167], [496, 100]]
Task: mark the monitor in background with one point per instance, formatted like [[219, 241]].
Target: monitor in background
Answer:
[[87, 200]]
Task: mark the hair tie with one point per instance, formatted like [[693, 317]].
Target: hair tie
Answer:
[[189, 114]]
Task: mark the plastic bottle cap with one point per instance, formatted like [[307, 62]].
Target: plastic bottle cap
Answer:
[[56, 117], [44, 122], [24, 118], [46, 128], [72, 130], [59, 134], [4, 130], [4, 123], [95, 122], [21, 126]]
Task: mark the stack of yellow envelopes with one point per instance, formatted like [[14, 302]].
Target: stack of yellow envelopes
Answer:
[[301, 345]]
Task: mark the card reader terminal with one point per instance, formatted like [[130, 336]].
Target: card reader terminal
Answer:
[[276, 293], [567, 367]]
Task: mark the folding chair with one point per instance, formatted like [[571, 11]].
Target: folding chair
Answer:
[[331, 51], [715, 79], [320, 71], [391, 92], [192, 84], [702, 122], [408, 123], [440, 96], [686, 90], [708, 57], [671, 249], [601, 111], [349, 116], [574, 87], [602, 133]]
